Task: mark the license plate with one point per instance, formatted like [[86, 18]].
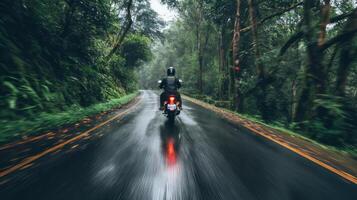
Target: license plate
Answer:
[[171, 107]]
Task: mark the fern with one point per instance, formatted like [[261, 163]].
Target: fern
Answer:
[[13, 92]]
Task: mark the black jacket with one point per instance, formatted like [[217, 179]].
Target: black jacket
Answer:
[[170, 84]]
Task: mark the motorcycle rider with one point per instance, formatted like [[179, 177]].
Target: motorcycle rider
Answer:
[[170, 84]]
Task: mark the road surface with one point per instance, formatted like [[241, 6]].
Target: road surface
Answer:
[[201, 156]]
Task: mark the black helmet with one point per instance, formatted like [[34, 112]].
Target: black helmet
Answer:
[[171, 71]]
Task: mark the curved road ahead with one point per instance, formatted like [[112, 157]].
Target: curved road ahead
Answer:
[[202, 156]]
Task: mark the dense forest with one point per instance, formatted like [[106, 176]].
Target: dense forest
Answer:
[[290, 63], [57, 54]]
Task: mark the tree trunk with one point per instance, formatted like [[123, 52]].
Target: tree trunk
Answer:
[[305, 103], [325, 19], [199, 48], [200, 68], [223, 52], [315, 75], [67, 18], [253, 22], [295, 85], [293, 102], [262, 93], [124, 31], [347, 56], [201, 63], [202, 51], [235, 71], [222, 67]]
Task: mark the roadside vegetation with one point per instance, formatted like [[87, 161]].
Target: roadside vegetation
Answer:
[[11, 129], [60, 60], [291, 64]]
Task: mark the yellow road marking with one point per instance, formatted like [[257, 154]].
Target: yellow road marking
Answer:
[[341, 173], [30, 159], [26, 141]]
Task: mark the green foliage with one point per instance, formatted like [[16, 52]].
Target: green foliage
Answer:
[[289, 81], [135, 49], [53, 54], [337, 125], [147, 21], [51, 121]]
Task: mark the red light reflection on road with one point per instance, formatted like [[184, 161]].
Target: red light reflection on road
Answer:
[[170, 152]]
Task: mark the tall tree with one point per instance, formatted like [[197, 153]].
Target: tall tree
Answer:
[[347, 56], [124, 31], [315, 75], [261, 72], [235, 58]]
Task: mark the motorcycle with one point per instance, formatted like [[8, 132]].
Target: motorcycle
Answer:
[[171, 106]]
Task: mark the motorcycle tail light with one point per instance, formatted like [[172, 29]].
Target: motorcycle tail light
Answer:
[[172, 99]]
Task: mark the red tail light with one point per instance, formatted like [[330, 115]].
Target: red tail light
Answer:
[[172, 100]]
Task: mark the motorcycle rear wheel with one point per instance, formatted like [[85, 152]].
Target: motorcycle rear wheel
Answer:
[[171, 116]]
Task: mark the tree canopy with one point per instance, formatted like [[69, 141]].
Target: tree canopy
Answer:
[[56, 54], [291, 63]]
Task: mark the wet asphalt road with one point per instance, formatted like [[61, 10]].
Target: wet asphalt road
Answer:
[[201, 156]]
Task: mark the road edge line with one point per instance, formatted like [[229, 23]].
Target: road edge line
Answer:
[[338, 172], [31, 159]]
